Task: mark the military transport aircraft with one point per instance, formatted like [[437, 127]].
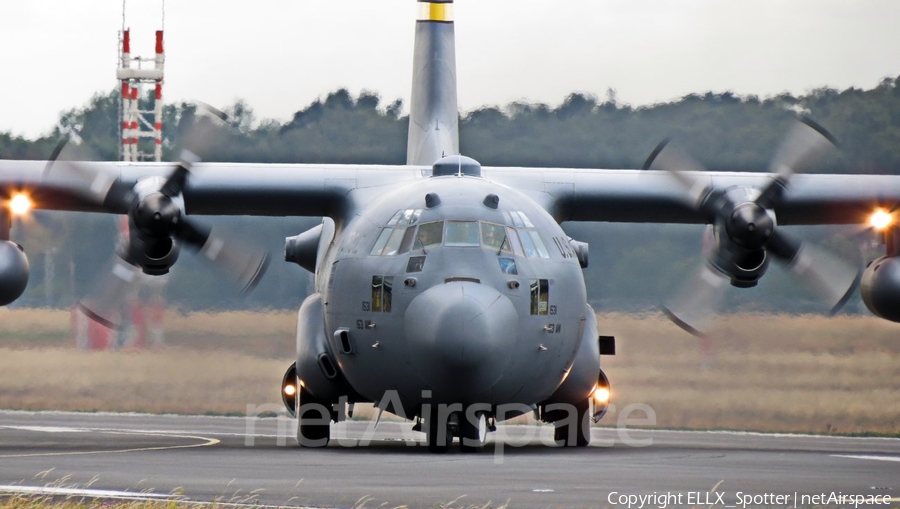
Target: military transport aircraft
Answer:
[[445, 292]]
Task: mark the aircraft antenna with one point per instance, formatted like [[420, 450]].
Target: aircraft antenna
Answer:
[[135, 123]]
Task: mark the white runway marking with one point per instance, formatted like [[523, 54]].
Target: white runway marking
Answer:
[[867, 457], [82, 492], [46, 429], [203, 441]]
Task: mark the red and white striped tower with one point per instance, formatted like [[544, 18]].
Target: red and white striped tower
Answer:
[[157, 102], [136, 123]]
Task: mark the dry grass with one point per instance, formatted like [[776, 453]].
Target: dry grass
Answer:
[[49, 503], [780, 373], [785, 373]]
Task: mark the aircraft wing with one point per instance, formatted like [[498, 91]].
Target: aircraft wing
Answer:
[[216, 188], [655, 197], [613, 195]]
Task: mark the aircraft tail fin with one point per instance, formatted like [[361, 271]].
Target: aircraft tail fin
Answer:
[[434, 116]]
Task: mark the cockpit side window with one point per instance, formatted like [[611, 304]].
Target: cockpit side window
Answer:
[[393, 244], [513, 238], [528, 245], [493, 236], [382, 240], [430, 235], [538, 244]]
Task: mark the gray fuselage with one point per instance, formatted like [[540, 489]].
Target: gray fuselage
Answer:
[[457, 315]]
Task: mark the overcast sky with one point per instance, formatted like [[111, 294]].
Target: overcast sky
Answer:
[[280, 55]]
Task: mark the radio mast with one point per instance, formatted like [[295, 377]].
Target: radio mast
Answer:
[[136, 123]]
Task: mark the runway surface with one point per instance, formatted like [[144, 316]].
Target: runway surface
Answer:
[[257, 461]]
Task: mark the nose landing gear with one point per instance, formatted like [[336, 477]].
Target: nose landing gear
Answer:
[[442, 424]]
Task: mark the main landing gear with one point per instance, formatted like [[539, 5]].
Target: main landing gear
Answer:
[[315, 416]]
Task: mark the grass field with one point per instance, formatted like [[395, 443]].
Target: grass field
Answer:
[[776, 373]]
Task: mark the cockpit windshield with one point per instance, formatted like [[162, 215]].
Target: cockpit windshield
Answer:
[[518, 236]]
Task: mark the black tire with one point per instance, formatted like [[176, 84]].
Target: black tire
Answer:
[[472, 435], [314, 415], [437, 433], [581, 435]]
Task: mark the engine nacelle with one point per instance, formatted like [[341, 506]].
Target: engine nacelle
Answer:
[[581, 252], [743, 267], [308, 248], [154, 255], [880, 287], [14, 270]]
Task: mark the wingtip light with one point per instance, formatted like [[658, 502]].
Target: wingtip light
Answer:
[[20, 204], [881, 219]]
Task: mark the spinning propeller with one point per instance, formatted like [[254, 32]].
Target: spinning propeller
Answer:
[[745, 231], [157, 223]]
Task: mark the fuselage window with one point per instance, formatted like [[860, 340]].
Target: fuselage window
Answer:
[[462, 234], [430, 235], [382, 240], [527, 222], [528, 245], [405, 217], [508, 266], [540, 296], [415, 264], [392, 246], [407, 242], [514, 219], [393, 241], [538, 244], [518, 219], [512, 237], [382, 289]]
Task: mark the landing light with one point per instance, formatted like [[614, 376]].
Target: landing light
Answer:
[[601, 395], [290, 390], [19, 204], [881, 219]]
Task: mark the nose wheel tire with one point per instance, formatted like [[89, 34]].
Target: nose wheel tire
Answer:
[[574, 434], [314, 415], [473, 432]]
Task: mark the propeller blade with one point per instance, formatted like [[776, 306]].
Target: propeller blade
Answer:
[[195, 146], [197, 141], [106, 301], [806, 144], [242, 263], [176, 181], [677, 162], [826, 276], [70, 162], [694, 304]]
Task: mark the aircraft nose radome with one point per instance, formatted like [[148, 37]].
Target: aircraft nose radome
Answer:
[[460, 336]]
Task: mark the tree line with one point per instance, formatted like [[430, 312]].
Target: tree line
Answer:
[[632, 267]]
